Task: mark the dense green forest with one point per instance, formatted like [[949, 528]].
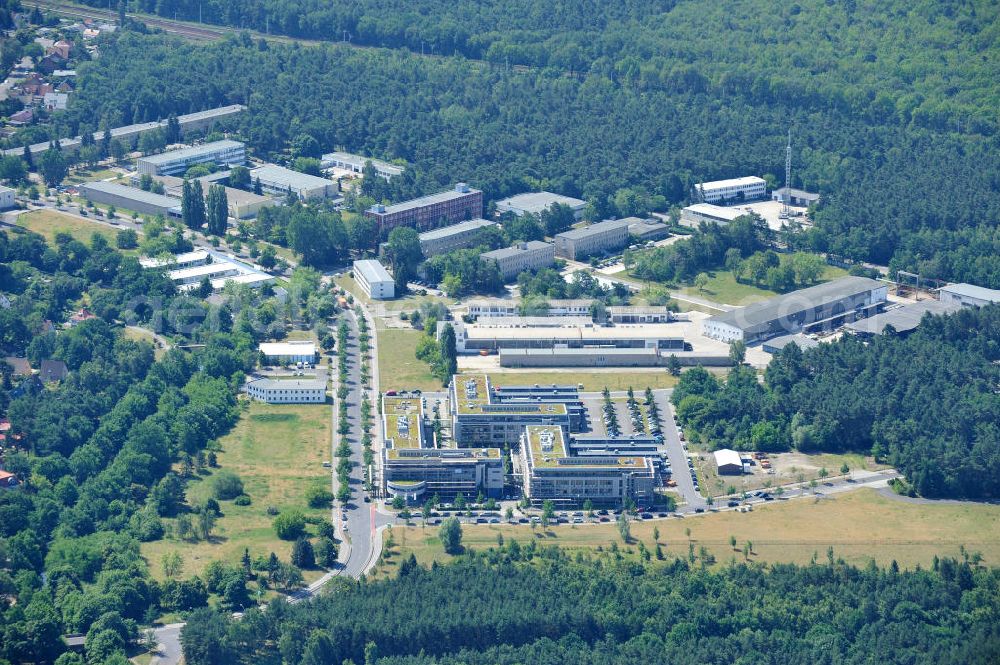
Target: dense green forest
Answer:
[[927, 403], [494, 608], [620, 142], [102, 455], [927, 62]]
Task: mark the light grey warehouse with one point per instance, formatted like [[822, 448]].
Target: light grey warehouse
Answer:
[[131, 198], [824, 305]]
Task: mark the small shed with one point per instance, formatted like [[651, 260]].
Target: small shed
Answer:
[[728, 462]]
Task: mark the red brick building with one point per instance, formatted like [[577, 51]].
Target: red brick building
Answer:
[[429, 212]]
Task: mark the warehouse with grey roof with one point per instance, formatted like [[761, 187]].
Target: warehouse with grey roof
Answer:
[[818, 307]]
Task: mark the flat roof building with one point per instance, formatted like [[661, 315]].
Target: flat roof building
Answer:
[[551, 473], [456, 236], [699, 213], [795, 197], [479, 419], [903, 319], [728, 462], [607, 236], [531, 255], [189, 269], [373, 279], [131, 198], [226, 153], [416, 470], [969, 295], [748, 188], [279, 181], [242, 204], [288, 391], [356, 164], [6, 198], [822, 306], [535, 203], [285, 353], [637, 314], [646, 230], [451, 206], [484, 335], [609, 357], [500, 307], [188, 123]]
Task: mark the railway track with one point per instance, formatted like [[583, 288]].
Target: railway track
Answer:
[[198, 33]]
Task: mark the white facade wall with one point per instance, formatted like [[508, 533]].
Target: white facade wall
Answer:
[[292, 394], [751, 188], [6, 198], [376, 286]]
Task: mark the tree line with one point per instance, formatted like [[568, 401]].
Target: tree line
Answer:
[[926, 403], [529, 604]]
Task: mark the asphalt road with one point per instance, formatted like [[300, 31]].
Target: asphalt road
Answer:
[[676, 453], [169, 637]]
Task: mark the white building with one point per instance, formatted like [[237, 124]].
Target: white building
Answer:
[[175, 162], [531, 255], [284, 353], [190, 269], [728, 462], [749, 188], [969, 295], [288, 391], [356, 164], [372, 277], [186, 260], [536, 202], [6, 198], [279, 181], [500, 307], [694, 215]]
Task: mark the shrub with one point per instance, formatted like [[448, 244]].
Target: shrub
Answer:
[[242, 500], [289, 525], [319, 497], [226, 485]]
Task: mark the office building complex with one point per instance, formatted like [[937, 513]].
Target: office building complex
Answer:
[[190, 269], [279, 181], [373, 279], [535, 203], [818, 307], [554, 333], [416, 470], [288, 391], [499, 307], [481, 419], [531, 255], [176, 162], [356, 164], [551, 473], [607, 236], [749, 188], [428, 212], [449, 238]]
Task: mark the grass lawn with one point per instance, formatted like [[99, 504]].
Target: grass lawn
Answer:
[[89, 175], [592, 381], [722, 287], [143, 335], [859, 526], [48, 223], [398, 367], [278, 451]]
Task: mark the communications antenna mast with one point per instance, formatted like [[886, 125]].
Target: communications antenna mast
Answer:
[[785, 212]]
